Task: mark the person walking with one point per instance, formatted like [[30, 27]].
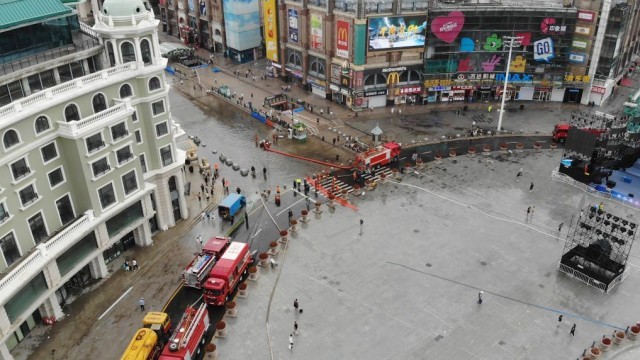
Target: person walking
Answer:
[[361, 223], [199, 197], [203, 216], [519, 175], [295, 327], [134, 264], [296, 305], [199, 241], [528, 213], [246, 220], [290, 341], [232, 219], [559, 321], [531, 187], [480, 297], [560, 227], [573, 330], [141, 303]]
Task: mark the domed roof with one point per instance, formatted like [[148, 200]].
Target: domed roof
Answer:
[[123, 7]]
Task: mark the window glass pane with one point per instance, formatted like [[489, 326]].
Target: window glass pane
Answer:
[[38, 230], [15, 90], [129, 182], [42, 124], [3, 212], [47, 79], [107, 196], [10, 139], [166, 156], [28, 195], [49, 152], [125, 91], [65, 210], [99, 103], [65, 73], [19, 169], [100, 167], [34, 83], [56, 177], [145, 48], [128, 54], [77, 70], [158, 107], [9, 249], [94, 142], [161, 129], [71, 113], [138, 137], [154, 83], [143, 163]]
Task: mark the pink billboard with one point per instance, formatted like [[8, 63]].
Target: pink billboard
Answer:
[[447, 28]]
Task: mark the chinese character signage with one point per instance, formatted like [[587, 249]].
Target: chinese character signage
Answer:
[[342, 39], [577, 78], [293, 25], [317, 41], [584, 15], [549, 26], [447, 28], [270, 29]]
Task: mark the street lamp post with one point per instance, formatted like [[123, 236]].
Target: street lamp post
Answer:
[[513, 41]]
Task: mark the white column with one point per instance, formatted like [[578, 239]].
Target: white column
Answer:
[[156, 47], [50, 307], [142, 234], [136, 40], [4, 352], [25, 86], [116, 52], [102, 236], [98, 267], [52, 275], [5, 323], [184, 207], [56, 75], [85, 65]]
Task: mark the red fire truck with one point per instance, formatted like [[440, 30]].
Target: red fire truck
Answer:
[[188, 338], [378, 156], [226, 274], [198, 269]]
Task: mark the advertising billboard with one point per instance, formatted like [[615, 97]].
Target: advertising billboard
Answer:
[[270, 29], [293, 25], [396, 32], [317, 42], [242, 23], [342, 39]]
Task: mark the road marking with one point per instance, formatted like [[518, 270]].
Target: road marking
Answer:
[[257, 232], [115, 303]]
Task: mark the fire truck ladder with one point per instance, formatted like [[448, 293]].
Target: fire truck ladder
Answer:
[[188, 325]]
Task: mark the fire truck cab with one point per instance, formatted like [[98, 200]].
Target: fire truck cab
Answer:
[[226, 274], [198, 269], [378, 156]]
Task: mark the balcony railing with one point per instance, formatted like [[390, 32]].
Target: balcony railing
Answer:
[[20, 172], [44, 97], [99, 120], [24, 270]]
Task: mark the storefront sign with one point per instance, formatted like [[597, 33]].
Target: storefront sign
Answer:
[[583, 30], [344, 92], [543, 50], [577, 78], [345, 81], [375, 92], [548, 26], [293, 25], [466, 87], [335, 73], [270, 29], [411, 90], [334, 87], [430, 83], [587, 16], [577, 58], [316, 32], [598, 89], [394, 69], [475, 77], [440, 88], [317, 82], [342, 39], [294, 72], [579, 44], [447, 28]]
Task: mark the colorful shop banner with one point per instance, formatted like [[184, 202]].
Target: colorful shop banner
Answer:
[[270, 29], [293, 25], [577, 58], [342, 39], [447, 28], [317, 41], [203, 8], [548, 26], [397, 32], [543, 50], [587, 16]]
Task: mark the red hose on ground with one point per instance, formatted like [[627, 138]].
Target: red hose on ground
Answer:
[[344, 167]]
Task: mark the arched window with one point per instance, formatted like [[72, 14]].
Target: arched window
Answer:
[[71, 113], [145, 48], [317, 68], [112, 56], [409, 77], [375, 80], [125, 91], [154, 83], [42, 124], [99, 103], [128, 53], [295, 59], [10, 139]]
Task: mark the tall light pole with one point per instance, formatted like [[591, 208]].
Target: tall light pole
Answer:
[[513, 41]]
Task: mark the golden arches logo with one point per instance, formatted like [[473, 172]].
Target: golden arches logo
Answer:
[[393, 78], [343, 34]]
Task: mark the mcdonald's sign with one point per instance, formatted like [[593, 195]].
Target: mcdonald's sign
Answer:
[[393, 78], [342, 39]]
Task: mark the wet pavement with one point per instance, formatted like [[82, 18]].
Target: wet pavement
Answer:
[[405, 288]]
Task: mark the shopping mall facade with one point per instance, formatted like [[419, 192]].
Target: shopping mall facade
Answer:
[[365, 54]]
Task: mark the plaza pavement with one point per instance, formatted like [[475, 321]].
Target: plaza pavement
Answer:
[[406, 288]]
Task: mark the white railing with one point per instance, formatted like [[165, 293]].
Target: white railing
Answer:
[[43, 253], [47, 95], [88, 30], [74, 128], [582, 277], [623, 200]]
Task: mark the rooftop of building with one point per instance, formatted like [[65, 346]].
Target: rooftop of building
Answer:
[[18, 12], [501, 3]]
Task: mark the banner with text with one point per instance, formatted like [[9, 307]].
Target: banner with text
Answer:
[[293, 25], [270, 29], [342, 39], [317, 41]]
